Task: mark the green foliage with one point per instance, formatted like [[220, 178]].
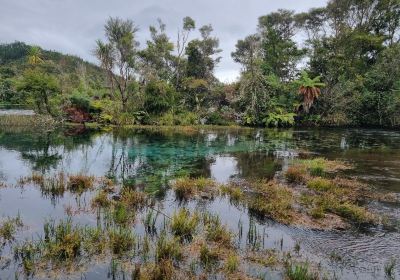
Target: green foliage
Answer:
[[42, 88], [300, 272], [354, 64], [279, 118], [159, 97]]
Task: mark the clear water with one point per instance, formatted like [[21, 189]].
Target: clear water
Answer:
[[149, 158]]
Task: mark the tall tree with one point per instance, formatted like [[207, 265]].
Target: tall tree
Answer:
[[280, 52], [183, 37], [118, 57], [157, 58]]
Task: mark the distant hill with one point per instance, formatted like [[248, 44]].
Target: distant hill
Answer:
[[71, 70]]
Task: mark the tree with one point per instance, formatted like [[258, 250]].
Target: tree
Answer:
[[159, 97], [202, 55], [183, 36], [41, 87], [157, 58], [118, 57], [34, 55], [279, 52], [309, 89]]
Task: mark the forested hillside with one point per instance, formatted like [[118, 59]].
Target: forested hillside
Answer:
[[337, 65]]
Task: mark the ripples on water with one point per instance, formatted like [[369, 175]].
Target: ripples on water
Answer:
[[148, 158]]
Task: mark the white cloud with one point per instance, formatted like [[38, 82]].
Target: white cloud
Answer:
[[72, 26]]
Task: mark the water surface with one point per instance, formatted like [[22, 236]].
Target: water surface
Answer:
[[150, 158]]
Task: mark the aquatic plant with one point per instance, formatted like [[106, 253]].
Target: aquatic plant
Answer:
[[80, 183], [187, 187], [101, 200], [168, 248], [132, 199], [95, 241], [8, 228], [235, 193], [273, 200], [232, 263], [122, 215], [296, 174], [320, 166], [27, 253], [150, 220], [215, 231], [183, 224], [299, 272], [62, 241], [121, 240], [320, 184], [389, 269], [208, 257]]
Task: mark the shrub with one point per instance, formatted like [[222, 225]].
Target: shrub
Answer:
[[159, 97], [216, 118]]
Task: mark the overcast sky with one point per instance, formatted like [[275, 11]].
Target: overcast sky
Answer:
[[72, 26]]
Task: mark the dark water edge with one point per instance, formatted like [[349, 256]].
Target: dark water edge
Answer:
[[150, 158]]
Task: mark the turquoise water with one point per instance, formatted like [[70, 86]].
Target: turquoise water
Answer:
[[148, 159]]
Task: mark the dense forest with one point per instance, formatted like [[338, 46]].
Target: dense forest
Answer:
[[337, 65]]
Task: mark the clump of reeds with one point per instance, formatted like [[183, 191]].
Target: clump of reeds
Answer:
[[215, 231], [183, 224], [300, 272], [188, 187], [209, 257], [273, 200], [8, 229], [168, 248], [121, 241], [235, 193], [80, 183]]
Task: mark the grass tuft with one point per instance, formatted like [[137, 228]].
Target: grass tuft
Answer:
[[183, 224], [188, 187]]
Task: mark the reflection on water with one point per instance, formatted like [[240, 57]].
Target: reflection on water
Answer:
[[149, 158]]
